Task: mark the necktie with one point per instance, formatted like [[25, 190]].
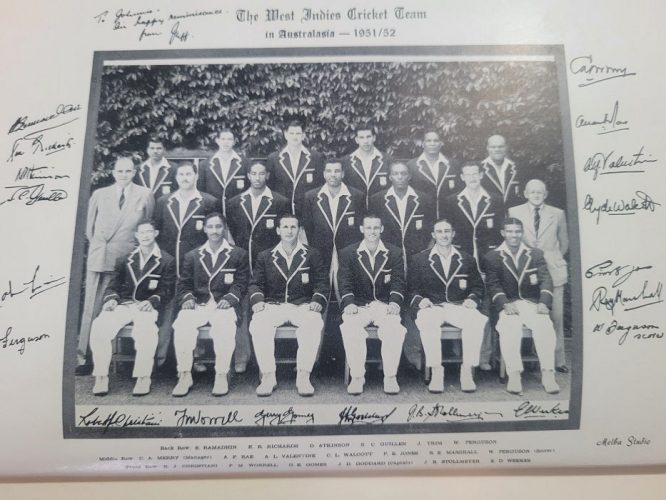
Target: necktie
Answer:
[[537, 220], [121, 201]]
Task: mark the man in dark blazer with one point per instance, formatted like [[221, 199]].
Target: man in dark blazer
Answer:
[[179, 218], [366, 168], [252, 220], [332, 215], [445, 286], [501, 176], [156, 173], [372, 288], [521, 289], [289, 284], [223, 176], [113, 213], [407, 215], [141, 286], [434, 174], [214, 277], [295, 169]]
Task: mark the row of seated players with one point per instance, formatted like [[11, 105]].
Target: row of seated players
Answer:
[[290, 283]]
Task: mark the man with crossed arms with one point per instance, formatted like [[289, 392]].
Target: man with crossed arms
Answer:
[[446, 286], [372, 288], [213, 279], [520, 287], [141, 286], [289, 284]]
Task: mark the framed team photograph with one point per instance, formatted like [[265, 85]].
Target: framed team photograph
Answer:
[[325, 241]]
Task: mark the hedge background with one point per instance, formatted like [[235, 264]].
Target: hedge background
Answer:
[[467, 102]]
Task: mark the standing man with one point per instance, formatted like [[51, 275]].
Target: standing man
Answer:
[[500, 174], [366, 168], [434, 174], [213, 279], [289, 284], [179, 218], [372, 289], [445, 286], [141, 286], [520, 288], [113, 213], [224, 175], [407, 214], [156, 173], [253, 217], [332, 216], [545, 228], [294, 170]]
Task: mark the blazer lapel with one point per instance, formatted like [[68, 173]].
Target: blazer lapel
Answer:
[[159, 179], [303, 163], [144, 175], [174, 204], [264, 206], [280, 264], [376, 166], [133, 264], [285, 163], [490, 172], [466, 208], [392, 206], [412, 208], [364, 261], [325, 209], [381, 258], [524, 263], [343, 206], [424, 168], [508, 263], [216, 170], [234, 167], [192, 207], [546, 219], [438, 268], [358, 168], [484, 205], [206, 261], [222, 259], [246, 205], [509, 177]]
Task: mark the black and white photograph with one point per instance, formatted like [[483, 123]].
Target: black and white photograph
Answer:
[[332, 241]]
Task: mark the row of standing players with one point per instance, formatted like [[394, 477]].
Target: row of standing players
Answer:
[[408, 199]]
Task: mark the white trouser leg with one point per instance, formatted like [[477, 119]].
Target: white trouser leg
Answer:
[[223, 333], [308, 335], [557, 315], [96, 283], [186, 332], [543, 333], [428, 321], [392, 334], [103, 330], [353, 337], [145, 335], [262, 330], [510, 329], [473, 326]]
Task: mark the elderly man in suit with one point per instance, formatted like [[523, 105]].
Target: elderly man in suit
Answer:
[[501, 176], [372, 289], [141, 286], [520, 288], [289, 284], [113, 213], [545, 228], [156, 173], [213, 279]]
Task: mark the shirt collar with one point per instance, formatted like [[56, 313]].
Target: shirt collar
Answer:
[[156, 251], [266, 192], [197, 195], [363, 247], [506, 162], [375, 154], [225, 245], [454, 251], [410, 192], [465, 192], [278, 248], [441, 158], [164, 163], [303, 150], [234, 156], [505, 248], [343, 191]]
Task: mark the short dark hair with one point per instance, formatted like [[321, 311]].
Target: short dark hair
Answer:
[[509, 221], [440, 220], [398, 162], [225, 130], [372, 215], [288, 216], [156, 139], [186, 164], [333, 160], [212, 215], [263, 164], [432, 131], [145, 221], [295, 123], [366, 126], [470, 164]]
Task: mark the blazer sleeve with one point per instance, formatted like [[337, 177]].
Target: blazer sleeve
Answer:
[[112, 291], [185, 285], [398, 284], [166, 285], [346, 279], [476, 287], [150, 205], [494, 281], [238, 289], [308, 222], [545, 280], [321, 281], [92, 214], [414, 281], [258, 280]]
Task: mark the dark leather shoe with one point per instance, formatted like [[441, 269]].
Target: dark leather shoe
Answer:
[[562, 369]]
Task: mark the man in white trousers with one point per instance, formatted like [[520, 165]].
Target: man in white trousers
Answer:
[[445, 286], [212, 282]]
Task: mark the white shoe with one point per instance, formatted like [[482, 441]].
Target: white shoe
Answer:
[[221, 386], [514, 385], [303, 385], [486, 367], [199, 368], [267, 385], [142, 386], [240, 367], [101, 387], [436, 379], [548, 382], [355, 387], [184, 384], [467, 379], [391, 385]]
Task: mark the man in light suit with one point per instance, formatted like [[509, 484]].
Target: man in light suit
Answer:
[[156, 173], [501, 176], [545, 228], [113, 213]]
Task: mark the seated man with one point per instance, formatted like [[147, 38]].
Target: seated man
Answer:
[[372, 286], [520, 287], [289, 285], [212, 281], [140, 287], [446, 286]]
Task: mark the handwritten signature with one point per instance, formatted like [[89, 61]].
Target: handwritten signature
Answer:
[[584, 65], [184, 418], [352, 415], [33, 287], [610, 163], [642, 202], [526, 409], [448, 413], [23, 122], [287, 417], [604, 299], [34, 193], [20, 342], [95, 418], [643, 331], [36, 142], [608, 268], [609, 123]]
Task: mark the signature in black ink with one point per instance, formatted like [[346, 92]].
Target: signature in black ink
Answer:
[[527, 409], [209, 420], [37, 144], [605, 164], [638, 331], [176, 34], [34, 193], [583, 65], [37, 173], [117, 419], [609, 123], [35, 286], [352, 415], [447, 413], [20, 342], [23, 122], [608, 268], [603, 299], [642, 202], [287, 417]]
